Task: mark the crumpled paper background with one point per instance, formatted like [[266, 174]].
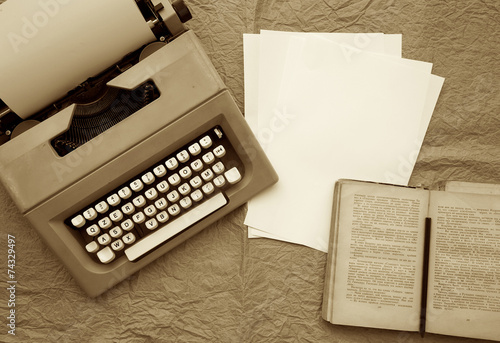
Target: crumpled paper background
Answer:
[[222, 287]]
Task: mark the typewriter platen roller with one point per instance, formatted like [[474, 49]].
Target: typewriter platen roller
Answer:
[[85, 109]]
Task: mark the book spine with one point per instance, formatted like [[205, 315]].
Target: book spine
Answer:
[[425, 276]]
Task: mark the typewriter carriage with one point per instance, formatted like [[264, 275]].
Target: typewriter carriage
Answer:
[[166, 23]]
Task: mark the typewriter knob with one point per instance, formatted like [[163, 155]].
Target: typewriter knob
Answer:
[[150, 49], [23, 127], [182, 10]]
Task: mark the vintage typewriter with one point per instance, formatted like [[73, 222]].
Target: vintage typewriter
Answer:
[[119, 140]]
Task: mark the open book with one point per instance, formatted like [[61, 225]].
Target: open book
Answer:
[[411, 259]]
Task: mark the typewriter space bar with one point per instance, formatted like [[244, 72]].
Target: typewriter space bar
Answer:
[[171, 229]]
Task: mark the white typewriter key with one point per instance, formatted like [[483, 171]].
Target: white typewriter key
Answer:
[[218, 168], [195, 149], [151, 224], [161, 204], [117, 245], [136, 185], [93, 230], [104, 239], [197, 165], [174, 210], [115, 232], [196, 182], [220, 151], [106, 255], [162, 217], [102, 207], [162, 187], [128, 208], [129, 238], [206, 142], [208, 158], [183, 156], [207, 175], [148, 178], [219, 181], [151, 194], [116, 215], [184, 189], [92, 247], [233, 175], [174, 179], [78, 221], [113, 200], [197, 195], [150, 211], [125, 193], [186, 202], [173, 196], [185, 172], [139, 201], [90, 214], [104, 223], [139, 217], [127, 225], [160, 171], [208, 188], [171, 163]]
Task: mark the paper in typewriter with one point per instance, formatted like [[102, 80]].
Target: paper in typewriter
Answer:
[[55, 46], [342, 113]]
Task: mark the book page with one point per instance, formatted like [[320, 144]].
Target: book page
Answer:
[[464, 269], [378, 272]]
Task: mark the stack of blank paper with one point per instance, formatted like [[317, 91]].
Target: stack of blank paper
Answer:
[[329, 106]]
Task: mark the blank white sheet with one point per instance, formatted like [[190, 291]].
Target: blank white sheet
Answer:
[[384, 98]]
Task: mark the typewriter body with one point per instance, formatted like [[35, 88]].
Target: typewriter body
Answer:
[[134, 158]]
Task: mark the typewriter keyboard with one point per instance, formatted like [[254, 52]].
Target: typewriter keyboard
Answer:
[[162, 201]]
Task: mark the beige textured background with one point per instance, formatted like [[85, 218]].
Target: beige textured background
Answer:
[[221, 286]]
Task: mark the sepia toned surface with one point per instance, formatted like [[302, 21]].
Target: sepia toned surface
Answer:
[[221, 286]]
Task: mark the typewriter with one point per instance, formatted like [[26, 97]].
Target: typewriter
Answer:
[[119, 140]]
